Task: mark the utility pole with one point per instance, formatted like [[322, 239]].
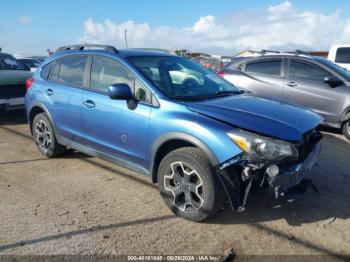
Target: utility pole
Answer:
[[126, 40]]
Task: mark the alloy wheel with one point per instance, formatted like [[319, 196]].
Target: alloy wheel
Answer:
[[43, 135], [186, 186]]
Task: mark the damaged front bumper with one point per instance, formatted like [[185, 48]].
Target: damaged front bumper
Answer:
[[279, 183], [292, 176]]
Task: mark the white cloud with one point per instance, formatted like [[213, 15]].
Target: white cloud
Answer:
[[282, 8], [279, 27], [24, 19]]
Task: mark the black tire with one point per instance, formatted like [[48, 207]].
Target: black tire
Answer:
[[346, 129], [50, 148], [210, 195]]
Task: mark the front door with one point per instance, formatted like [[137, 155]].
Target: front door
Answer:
[[114, 127], [305, 86]]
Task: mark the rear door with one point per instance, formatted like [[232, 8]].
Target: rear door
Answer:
[[305, 86], [63, 95], [263, 77], [117, 128]]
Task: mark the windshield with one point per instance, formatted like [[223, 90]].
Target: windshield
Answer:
[[180, 78], [338, 69], [8, 62]]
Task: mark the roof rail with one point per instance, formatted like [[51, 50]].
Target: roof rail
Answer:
[[264, 51], [108, 48], [300, 52]]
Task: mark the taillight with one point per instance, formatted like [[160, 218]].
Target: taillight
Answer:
[[29, 83], [220, 73]]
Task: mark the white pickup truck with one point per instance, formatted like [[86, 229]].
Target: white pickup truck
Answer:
[[340, 54]]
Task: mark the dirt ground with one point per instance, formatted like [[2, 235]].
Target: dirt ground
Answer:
[[81, 205]]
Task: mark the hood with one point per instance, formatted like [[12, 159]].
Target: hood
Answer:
[[267, 117], [14, 76]]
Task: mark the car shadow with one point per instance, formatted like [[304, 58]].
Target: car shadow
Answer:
[[331, 176], [15, 117]]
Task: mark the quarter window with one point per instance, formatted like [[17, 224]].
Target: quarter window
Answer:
[[106, 71], [270, 67], [55, 71], [45, 71], [307, 71], [72, 70]]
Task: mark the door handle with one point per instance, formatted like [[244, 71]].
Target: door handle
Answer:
[[292, 84], [89, 104], [49, 92]]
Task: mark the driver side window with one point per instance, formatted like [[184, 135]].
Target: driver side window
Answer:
[[106, 71]]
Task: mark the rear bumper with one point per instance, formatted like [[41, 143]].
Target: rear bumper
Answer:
[[290, 178], [11, 103]]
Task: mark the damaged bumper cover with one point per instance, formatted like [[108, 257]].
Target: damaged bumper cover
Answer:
[[291, 177], [288, 177]]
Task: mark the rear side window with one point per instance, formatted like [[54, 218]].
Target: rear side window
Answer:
[[45, 71], [343, 55], [72, 70], [270, 67], [307, 71]]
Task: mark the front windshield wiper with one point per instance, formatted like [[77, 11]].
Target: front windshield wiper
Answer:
[[228, 92], [187, 98], [217, 94]]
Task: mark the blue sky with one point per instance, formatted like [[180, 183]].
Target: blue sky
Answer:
[[33, 26]]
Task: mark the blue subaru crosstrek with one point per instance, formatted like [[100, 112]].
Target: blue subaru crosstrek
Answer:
[[203, 140]]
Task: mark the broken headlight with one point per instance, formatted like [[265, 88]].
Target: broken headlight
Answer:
[[261, 147]]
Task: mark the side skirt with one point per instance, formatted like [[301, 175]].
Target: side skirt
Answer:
[[109, 158]]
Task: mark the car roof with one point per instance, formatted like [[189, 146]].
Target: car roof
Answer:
[[142, 52], [5, 54], [274, 55], [121, 53]]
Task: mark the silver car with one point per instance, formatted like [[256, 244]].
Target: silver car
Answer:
[[312, 82]]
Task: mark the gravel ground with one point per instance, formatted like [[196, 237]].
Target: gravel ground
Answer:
[[81, 205]]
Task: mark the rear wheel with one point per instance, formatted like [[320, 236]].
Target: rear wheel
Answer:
[[44, 136], [188, 184], [346, 129]]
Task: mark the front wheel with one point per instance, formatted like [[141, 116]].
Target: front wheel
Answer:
[[188, 184], [346, 129]]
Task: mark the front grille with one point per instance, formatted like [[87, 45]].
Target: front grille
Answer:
[[14, 90], [309, 143]]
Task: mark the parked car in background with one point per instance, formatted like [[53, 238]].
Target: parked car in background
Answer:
[[202, 142], [13, 77], [312, 82], [30, 63], [39, 59], [212, 63], [340, 55]]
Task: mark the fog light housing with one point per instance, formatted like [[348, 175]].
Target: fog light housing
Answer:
[[272, 170]]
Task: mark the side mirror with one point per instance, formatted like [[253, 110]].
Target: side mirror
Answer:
[[120, 92], [333, 81]]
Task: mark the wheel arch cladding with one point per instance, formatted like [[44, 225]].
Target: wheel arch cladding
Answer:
[[346, 115], [173, 141], [38, 109]]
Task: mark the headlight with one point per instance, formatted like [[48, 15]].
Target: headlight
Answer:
[[262, 147]]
